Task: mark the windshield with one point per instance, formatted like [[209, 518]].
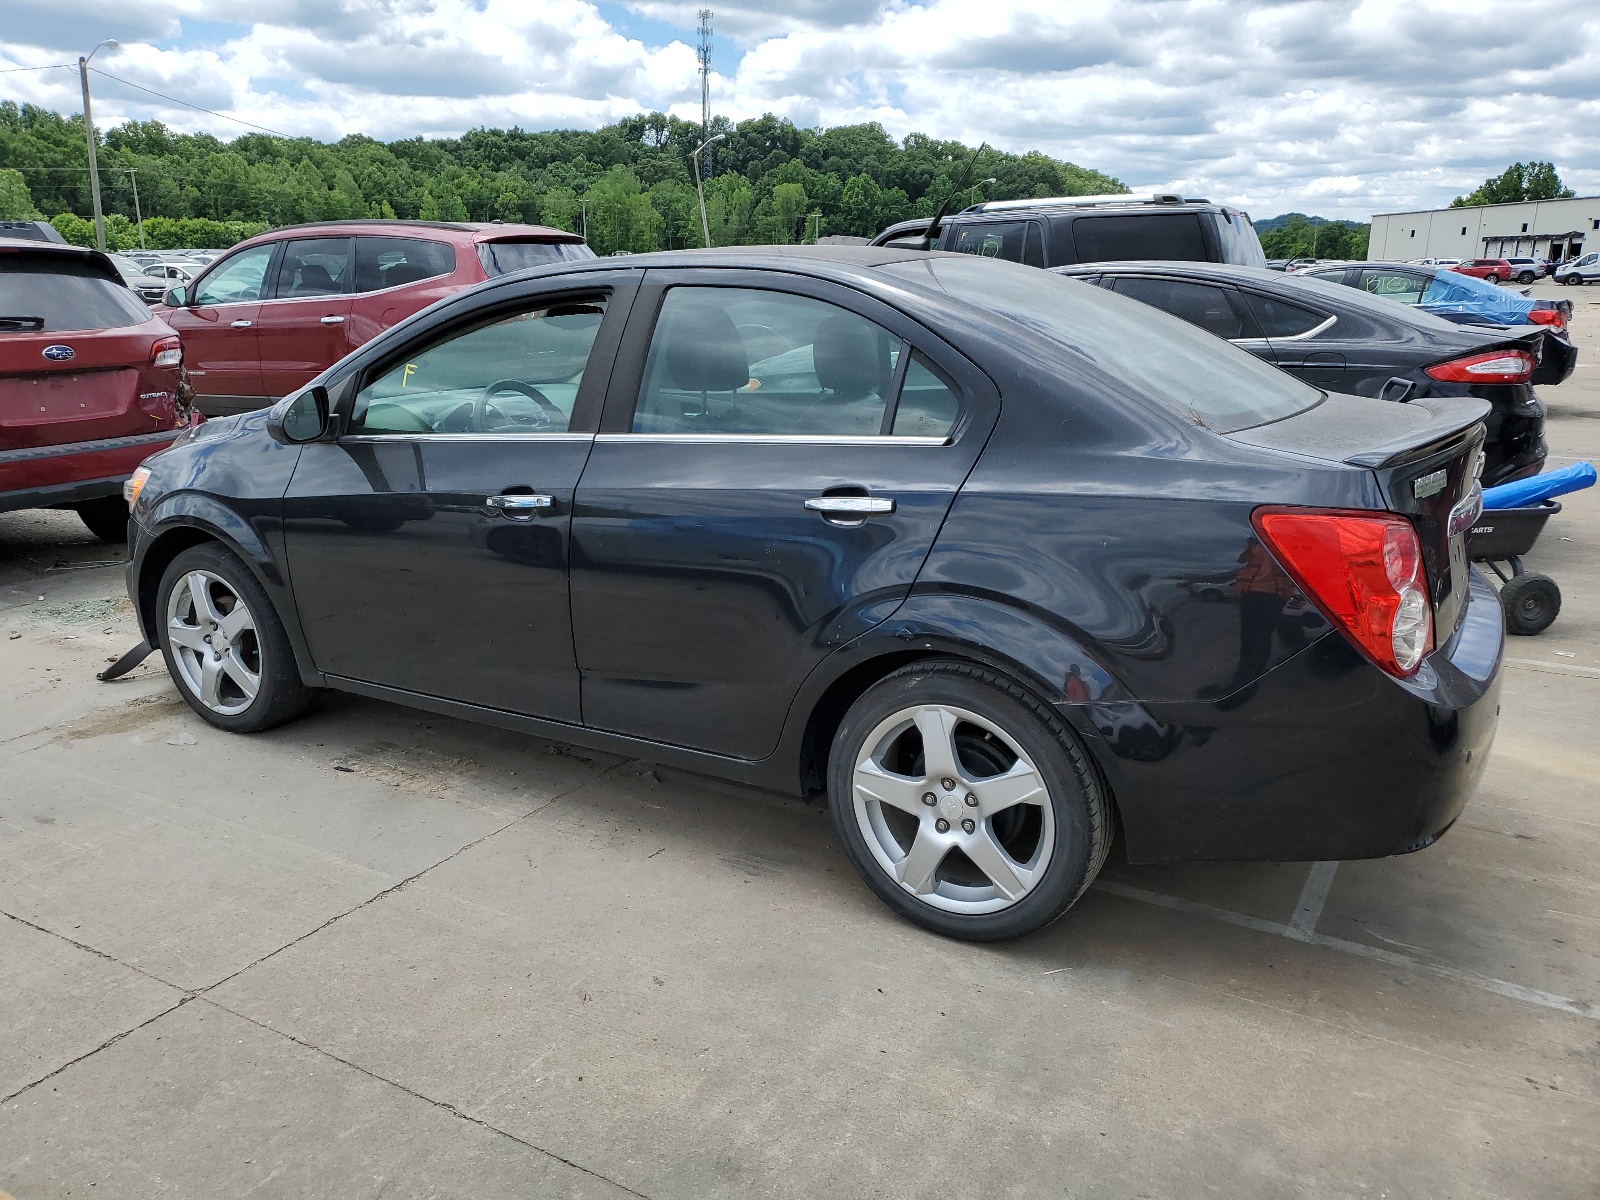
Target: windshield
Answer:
[[501, 258], [1204, 377], [53, 293]]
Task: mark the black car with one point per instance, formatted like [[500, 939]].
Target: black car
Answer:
[[1061, 230], [919, 531], [1349, 341]]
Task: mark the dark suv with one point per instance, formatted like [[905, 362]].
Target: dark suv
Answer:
[[1067, 230]]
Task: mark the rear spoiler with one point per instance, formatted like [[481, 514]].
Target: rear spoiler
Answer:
[[1449, 418]]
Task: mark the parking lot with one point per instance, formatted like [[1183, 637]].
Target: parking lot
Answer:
[[382, 953]]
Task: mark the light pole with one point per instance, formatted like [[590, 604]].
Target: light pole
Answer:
[[138, 217], [705, 228], [88, 133], [981, 183], [583, 206]]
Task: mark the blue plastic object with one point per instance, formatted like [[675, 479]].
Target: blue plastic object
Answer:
[[1451, 292], [1520, 493]]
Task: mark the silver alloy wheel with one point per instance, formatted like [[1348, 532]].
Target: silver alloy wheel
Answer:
[[214, 643], [953, 809]]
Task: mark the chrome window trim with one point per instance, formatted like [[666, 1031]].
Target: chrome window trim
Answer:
[[1308, 334], [554, 435], [778, 439]]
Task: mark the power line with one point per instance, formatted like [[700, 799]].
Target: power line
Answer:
[[48, 67], [186, 104]]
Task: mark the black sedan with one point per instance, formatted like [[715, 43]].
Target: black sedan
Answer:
[[1350, 341], [996, 561]]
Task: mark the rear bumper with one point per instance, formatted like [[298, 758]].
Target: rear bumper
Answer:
[[39, 476], [1324, 757]]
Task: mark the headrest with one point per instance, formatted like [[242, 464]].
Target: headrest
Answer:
[[850, 359], [701, 351]]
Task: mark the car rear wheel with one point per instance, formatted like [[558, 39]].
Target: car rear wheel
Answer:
[[105, 517], [1526, 277], [965, 803], [225, 647]]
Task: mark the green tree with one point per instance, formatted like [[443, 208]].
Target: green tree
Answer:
[[859, 205], [15, 202], [621, 216], [1519, 181]]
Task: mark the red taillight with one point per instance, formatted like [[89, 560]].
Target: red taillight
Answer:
[[1364, 571], [1493, 366], [1553, 317], [168, 352]]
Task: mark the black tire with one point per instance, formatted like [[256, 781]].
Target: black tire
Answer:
[[106, 517], [281, 695], [1531, 602], [1078, 800], [1526, 277]]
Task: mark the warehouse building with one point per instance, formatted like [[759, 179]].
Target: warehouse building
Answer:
[[1553, 229]]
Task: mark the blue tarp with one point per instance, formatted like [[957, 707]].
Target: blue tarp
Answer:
[[1452, 292], [1521, 493]]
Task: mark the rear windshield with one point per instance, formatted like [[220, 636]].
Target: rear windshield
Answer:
[[501, 258], [55, 293], [1203, 377], [1167, 236]]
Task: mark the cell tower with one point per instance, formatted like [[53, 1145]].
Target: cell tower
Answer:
[[703, 53]]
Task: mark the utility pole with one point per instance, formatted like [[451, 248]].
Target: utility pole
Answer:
[[705, 228], [88, 133], [583, 206], [138, 217], [816, 227]]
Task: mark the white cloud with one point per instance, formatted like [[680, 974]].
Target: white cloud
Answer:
[[1343, 107]]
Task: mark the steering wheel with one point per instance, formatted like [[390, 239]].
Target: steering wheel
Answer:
[[480, 406]]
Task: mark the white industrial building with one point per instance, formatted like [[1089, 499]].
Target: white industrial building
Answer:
[[1553, 229]]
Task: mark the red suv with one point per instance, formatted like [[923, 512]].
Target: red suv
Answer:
[[279, 309], [89, 383], [1496, 270]]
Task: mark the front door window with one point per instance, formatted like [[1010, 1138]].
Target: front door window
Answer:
[[237, 280], [517, 374]]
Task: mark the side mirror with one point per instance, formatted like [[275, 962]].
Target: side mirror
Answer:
[[303, 419], [175, 298]]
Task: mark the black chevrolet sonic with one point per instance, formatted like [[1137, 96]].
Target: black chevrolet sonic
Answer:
[[996, 559]]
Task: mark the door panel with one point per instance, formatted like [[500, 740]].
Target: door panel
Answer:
[[301, 327], [221, 349], [704, 589], [428, 546]]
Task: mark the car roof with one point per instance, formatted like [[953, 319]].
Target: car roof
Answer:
[[476, 231]]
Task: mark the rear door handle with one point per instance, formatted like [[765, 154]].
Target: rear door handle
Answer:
[[856, 508], [521, 506], [333, 320], [242, 324]]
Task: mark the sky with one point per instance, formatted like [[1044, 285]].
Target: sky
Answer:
[[1339, 108]]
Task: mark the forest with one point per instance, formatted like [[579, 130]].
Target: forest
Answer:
[[627, 186]]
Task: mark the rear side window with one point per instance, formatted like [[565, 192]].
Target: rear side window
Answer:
[[386, 262], [501, 258], [314, 267], [1280, 319], [54, 293], [1015, 241], [1197, 303], [1405, 286], [1172, 236]]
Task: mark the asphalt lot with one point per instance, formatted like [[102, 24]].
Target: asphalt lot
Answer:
[[381, 953]]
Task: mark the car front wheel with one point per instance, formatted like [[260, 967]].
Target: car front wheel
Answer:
[[224, 645], [1525, 277], [966, 803]]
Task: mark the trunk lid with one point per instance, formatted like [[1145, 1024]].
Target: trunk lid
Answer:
[[1425, 457], [93, 394]]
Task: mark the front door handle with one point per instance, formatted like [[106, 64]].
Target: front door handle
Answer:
[[242, 324], [521, 506], [850, 508], [333, 320]]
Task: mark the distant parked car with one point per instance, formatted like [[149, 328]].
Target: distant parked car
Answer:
[[1450, 294], [89, 383], [281, 308], [1344, 340], [1495, 270], [32, 231], [1277, 264], [1062, 230], [1583, 270], [1526, 270], [149, 287]]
